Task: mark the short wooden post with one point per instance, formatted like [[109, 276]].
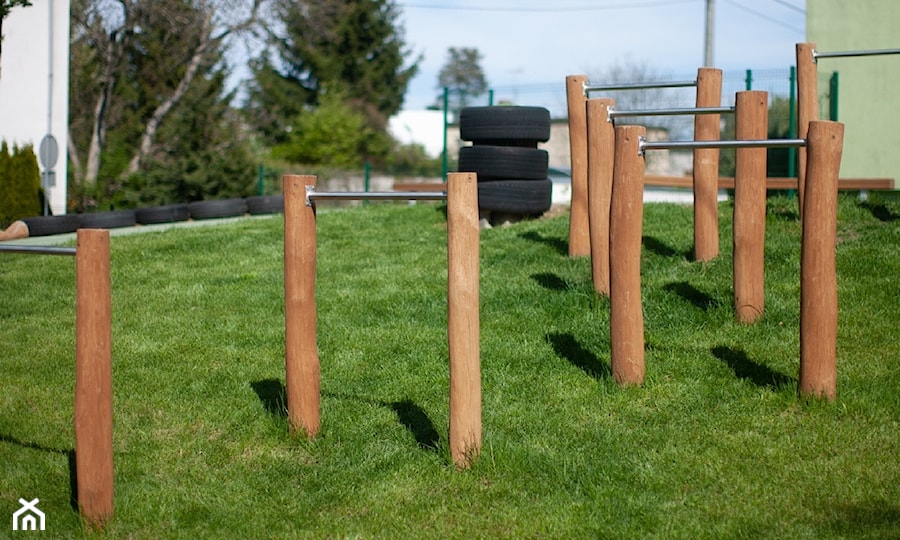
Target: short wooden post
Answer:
[[579, 235], [93, 377], [301, 350], [626, 319], [601, 140], [706, 167], [818, 272], [463, 324], [749, 229], [807, 107]]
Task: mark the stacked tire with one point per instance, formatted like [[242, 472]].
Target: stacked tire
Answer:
[[511, 169]]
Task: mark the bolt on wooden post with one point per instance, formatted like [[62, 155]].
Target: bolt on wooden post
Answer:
[[749, 229], [302, 377], [626, 319], [93, 377], [601, 141], [818, 271], [579, 237], [807, 108], [463, 324], [706, 167]]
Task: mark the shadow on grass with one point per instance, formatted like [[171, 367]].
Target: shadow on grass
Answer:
[[876, 519], [662, 249], [70, 460], [745, 368], [880, 211], [550, 281], [692, 294], [561, 246], [273, 395], [566, 346]]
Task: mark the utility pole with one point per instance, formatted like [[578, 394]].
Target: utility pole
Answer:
[[710, 33]]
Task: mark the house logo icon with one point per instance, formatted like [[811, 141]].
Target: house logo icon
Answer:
[[28, 518]]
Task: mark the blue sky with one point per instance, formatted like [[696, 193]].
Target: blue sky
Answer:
[[529, 46]]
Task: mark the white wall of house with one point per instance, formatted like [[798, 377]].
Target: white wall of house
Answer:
[[34, 83]]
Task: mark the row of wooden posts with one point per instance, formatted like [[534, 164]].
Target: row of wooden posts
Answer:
[[606, 215]]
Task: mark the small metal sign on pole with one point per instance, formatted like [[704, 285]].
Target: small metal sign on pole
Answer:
[[48, 154]]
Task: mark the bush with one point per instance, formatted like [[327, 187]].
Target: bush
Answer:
[[20, 184]]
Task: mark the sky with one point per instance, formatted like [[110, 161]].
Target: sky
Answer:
[[528, 47]]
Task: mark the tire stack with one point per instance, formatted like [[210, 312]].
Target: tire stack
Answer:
[[512, 170]]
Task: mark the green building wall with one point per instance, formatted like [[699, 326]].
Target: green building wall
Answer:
[[868, 87]]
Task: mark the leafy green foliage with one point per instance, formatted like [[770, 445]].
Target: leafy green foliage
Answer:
[[352, 47], [462, 76], [20, 184]]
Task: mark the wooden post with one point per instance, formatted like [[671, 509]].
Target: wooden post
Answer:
[[579, 235], [818, 272], [463, 326], [807, 107], [601, 140], [300, 351], [751, 122], [93, 377], [706, 167], [626, 319]]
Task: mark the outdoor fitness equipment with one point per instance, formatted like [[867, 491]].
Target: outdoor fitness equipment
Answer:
[[302, 379]]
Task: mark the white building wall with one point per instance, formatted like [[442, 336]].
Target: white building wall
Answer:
[[34, 83]]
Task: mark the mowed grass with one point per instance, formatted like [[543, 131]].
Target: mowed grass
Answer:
[[715, 444]]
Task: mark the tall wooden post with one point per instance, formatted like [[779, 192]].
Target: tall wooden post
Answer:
[[93, 377], [463, 324], [751, 122], [579, 236], [601, 140], [706, 167], [818, 271], [626, 319], [301, 350], [807, 107]]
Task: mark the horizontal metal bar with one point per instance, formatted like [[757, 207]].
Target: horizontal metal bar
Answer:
[[672, 112], [844, 54], [37, 250], [750, 143], [637, 86], [375, 195]]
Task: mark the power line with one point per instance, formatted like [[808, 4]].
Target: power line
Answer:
[[790, 6], [645, 4], [766, 17]]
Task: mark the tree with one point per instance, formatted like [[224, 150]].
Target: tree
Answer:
[[5, 7], [352, 47], [462, 76], [133, 61]]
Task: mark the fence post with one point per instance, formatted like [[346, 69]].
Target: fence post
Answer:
[[833, 96], [463, 324], [807, 108], [579, 235], [749, 229], [93, 377], [706, 167], [300, 350], [601, 141], [818, 273], [626, 319]]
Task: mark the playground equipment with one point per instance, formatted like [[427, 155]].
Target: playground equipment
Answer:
[[302, 380], [93, 370]]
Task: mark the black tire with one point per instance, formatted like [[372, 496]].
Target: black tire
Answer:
[[169, 213], [112, 219], [218, 208], [482, 125], [504, 162], [265, 204], [50, 225], [529, 197]]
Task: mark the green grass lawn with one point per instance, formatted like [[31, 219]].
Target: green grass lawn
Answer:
[[715, 444]]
